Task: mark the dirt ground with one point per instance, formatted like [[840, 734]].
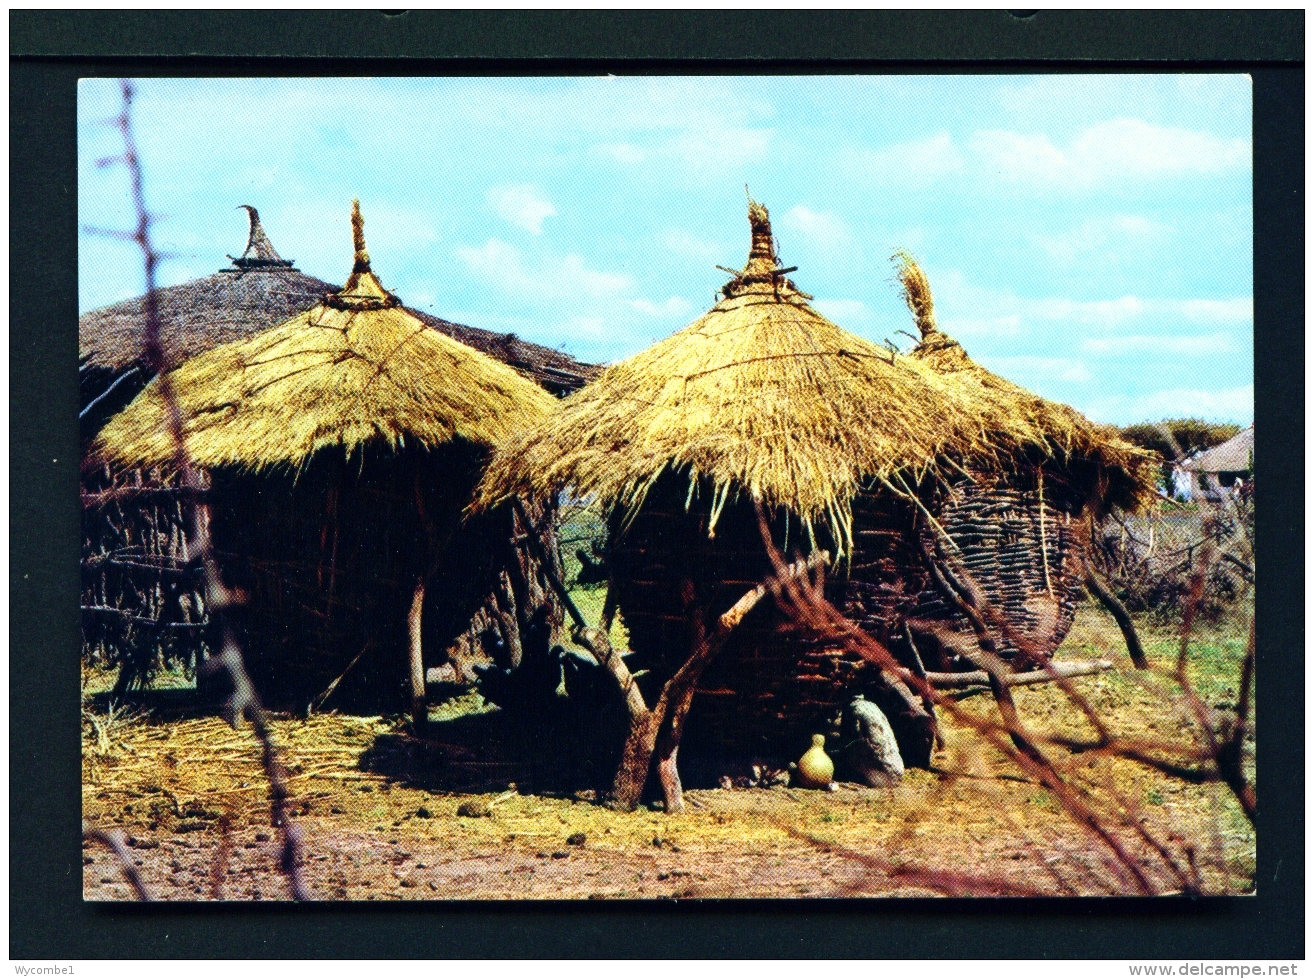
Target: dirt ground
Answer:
[[189, 795]]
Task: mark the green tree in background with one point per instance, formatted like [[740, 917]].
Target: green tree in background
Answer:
[[1189, 434], [1177, 438]]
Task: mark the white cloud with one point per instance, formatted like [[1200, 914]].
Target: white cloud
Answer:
[[1104, 312], [1028, 368], [1126, 309], [822, 230], [1136, 146], [988, 326], [966, 310], [258, 177], [1238, 310], [546, 296], [1235, 404], [522, 205], [917, 162], [389, 228], [683, 243], [553, 277], [670, 307], [588, 327], [1114, 234], [621, 152], [1204, 344], [715, 148], [703, 149], [849, 313], [970, 312], [1114, 150]]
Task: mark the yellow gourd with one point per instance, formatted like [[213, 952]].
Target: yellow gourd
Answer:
[[815, 769]]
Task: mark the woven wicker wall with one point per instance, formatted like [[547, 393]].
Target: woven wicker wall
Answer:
[[141, 609], [328, 561], [1030, 569], [772, 686]]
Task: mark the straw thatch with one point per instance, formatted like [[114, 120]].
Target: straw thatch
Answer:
[[1020, 528], [1236, 455], [1059, 432], [260, 290], [850, 446], [766, 397], [343, 446], [760, 399], [139, 608], [354, 370]]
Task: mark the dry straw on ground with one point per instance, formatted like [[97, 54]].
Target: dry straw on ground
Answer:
[[356, 369]]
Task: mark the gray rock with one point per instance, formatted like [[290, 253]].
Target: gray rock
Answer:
[[870, 751]]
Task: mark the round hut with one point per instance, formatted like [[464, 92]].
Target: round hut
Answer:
[[259, 290], [343, 446], [1019, 524], [761, 401], [140, 610]]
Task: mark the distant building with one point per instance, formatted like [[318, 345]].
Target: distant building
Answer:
[[1224, 467], [1183, 483]]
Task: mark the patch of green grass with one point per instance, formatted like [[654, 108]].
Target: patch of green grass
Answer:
[[578, 526], [101, 679], [1214, 655], [589, 600], [1045, 801], [463, 705]]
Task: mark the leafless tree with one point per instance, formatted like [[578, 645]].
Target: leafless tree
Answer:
[[242, 704]]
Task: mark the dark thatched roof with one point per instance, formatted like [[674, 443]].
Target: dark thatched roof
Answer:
[[1237, 454], [198, 315], [355, 370], [262, 290]]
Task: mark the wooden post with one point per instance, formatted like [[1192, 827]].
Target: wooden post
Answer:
[[414, 621], [1050, 674], [1120, 614], [677, 694], [964, 598], [667, 719], [919, 671]]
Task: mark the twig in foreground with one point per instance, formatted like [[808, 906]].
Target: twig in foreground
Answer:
[[112, 840]]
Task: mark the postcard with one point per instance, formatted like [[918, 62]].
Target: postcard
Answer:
[[638, 488]]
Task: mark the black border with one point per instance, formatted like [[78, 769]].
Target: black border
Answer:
[[50, 50]]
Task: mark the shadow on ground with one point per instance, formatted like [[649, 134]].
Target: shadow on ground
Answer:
[[548, 750]]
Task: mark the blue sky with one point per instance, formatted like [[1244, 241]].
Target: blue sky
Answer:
[[1087, 236]]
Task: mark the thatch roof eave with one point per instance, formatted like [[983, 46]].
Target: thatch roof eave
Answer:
[[355, 370]]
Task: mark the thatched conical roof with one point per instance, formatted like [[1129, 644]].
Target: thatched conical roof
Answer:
[[762, 395], [1128, 473], [356, 369], [261, 290], [260, 251], [258, 291]]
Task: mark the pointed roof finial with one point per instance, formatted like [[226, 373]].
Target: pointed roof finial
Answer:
[[358, 238], [259, 251], [363, 289], [763, 272], [916, 292], [762, 254]]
